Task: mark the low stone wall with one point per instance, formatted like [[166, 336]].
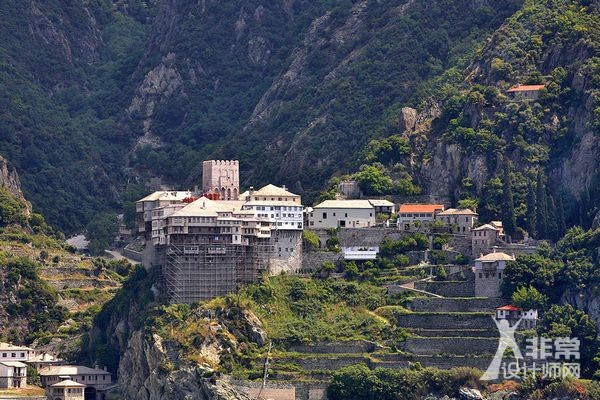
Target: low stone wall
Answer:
[[313, 260], [328, 363], [350, 347], [81, 283], [132, 254], [434, 304], [443, 362], [455, 345], [350, 237], [446, 321], [279, 389], [448, 288], [456, 333]]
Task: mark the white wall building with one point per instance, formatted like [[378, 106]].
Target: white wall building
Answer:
[[66, 390], [13, 374], [10, 352], [342, 214]]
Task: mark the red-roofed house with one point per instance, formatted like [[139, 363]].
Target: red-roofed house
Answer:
[[513, 313], [526, 92], [410, 215]]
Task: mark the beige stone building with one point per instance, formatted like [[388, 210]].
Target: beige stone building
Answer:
[[458, 220], [13, 374], [96, 380], [66, 390], [222, 177], [207, 248], [484, 238], [489, 271]]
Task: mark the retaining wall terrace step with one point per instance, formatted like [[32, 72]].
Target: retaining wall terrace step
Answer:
[[455, 345], [456, 304], [427, 320], [455, 333]]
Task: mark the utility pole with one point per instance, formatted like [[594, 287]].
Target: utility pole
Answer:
[[266, 371]]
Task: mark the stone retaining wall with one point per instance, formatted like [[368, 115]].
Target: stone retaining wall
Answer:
[[435, 304], [456, 333], [448, 288], [302, 390], [455, 345], [313, 260], [446, 321], [350, 347]]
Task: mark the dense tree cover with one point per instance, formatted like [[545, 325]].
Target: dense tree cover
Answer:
[[12, 210], [102, 231], [483, 120], [359, 382], [540, 281], [565, 321], [571, 266], [29, 299], [64, 76]]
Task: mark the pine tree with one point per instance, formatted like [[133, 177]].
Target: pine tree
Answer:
[[541, 207], [531, 210], [509, 220]]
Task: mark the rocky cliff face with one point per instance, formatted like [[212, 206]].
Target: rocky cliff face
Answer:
[[150, 367], [9, 179]]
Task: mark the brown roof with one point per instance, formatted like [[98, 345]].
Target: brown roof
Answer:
[[458, 211], [420, 208], [510, 307], [525, 88]]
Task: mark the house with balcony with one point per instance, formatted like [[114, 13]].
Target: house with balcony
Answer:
[[96, 381], [13, 374], [66, 390]]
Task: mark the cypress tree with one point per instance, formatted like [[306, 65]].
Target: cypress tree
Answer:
[[541, 207], [562, 223], [509, 219], [531, 210], [552, 219]]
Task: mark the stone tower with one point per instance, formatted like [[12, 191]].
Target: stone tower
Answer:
[[223, 177]]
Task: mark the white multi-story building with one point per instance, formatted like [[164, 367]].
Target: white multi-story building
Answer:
[[208, 247], [342, 214], [13, 374], [10, 352]]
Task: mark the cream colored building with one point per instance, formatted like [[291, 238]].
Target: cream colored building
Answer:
[[11, 352], [95, 380], [66, 390], [458, 220], [489, 272], [13, 374], [342, 214]]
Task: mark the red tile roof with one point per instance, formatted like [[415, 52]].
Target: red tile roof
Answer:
[[420, 208], [525, 88], [510, 307]]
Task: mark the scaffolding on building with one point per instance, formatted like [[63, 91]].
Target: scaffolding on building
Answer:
[[195, 272]]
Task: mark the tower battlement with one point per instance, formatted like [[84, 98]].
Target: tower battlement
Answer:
[[223, 177]]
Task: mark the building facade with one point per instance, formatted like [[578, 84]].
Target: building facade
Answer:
[[484, 238], [208, 248], [96, 380], [13, 374], [222, 177], [458, 220], [66, 390], [489, 271], [525, 92], [411, 216], [342, 214]]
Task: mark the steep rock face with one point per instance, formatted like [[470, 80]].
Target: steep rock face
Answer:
[[587, 301], [144, 375], [9, 178]]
